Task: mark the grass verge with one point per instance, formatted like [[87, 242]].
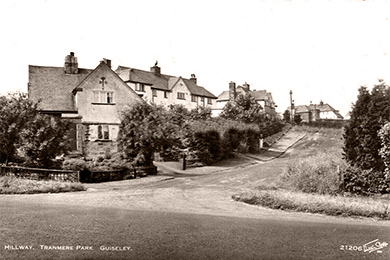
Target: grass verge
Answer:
[[311, 181], [13, 185], [315, 203]]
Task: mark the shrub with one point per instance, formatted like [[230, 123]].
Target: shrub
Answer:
[[141, 132], [74, 164], [233, 137], [362, 143], [27, 135], [231, 140], [364, 182], [207, 146], [384, 152], [315, 174], [327, 123]]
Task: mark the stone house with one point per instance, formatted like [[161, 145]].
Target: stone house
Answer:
[[166, 90], [90, 99], [262, 97], [314, 112]]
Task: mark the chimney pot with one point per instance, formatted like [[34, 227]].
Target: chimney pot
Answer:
[[71, 65], [193, 78], [155, 69], [107, 61], [232, 91]]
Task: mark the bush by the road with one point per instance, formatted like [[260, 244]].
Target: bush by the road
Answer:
[[27, 136], [217, 139], [319, 173], [364, 182]]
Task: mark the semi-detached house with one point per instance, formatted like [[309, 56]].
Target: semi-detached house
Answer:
[[166, 90], [92, 99]]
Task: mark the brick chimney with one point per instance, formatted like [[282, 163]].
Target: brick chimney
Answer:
[[246, 86], [107, 61], [71, 65], [156, 69], [232, 91], [193, 78]]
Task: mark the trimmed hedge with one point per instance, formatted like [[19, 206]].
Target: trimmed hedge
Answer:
[[364, 182], [218, 139]]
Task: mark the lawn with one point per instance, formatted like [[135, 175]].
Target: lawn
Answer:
[[312, 182]]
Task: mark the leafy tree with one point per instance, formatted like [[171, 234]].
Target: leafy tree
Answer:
[[26, 135], [361, 140], [179, 114], [44, 138], [15, 112], [245, 109], [286, 115], [297, 119], [141, 132], [200, 113], [384, 152]]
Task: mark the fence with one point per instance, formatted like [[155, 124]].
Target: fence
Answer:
[[75, 176], [40, 174], [115, 175]]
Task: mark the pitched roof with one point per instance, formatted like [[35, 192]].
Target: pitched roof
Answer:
[[159, 81], [257, 94], [260, 94], [223, 96], [322, 107], [197, 90], [302, 109], [53, 87]]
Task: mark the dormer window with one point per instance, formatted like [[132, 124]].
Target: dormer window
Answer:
[[103, 97]]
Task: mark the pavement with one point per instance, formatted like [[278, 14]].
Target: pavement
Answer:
[[266, 154]]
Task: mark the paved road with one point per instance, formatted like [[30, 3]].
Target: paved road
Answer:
[[180, 215], [165, 235]]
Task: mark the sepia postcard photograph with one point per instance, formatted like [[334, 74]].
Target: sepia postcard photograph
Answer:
[[208, 129]]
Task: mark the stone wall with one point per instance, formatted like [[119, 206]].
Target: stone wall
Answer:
[[95, 149]]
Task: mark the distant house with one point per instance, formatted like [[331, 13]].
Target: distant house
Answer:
[[90, 99], [313, 112], [166, 90], [262, 97]]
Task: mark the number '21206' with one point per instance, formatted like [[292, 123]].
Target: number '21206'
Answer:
[[351, 248]]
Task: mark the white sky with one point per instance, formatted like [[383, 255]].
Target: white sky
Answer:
[[321, 50]]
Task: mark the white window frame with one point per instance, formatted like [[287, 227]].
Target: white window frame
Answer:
[[181, 95], [103, 132], [140, 87], [103, 96]]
